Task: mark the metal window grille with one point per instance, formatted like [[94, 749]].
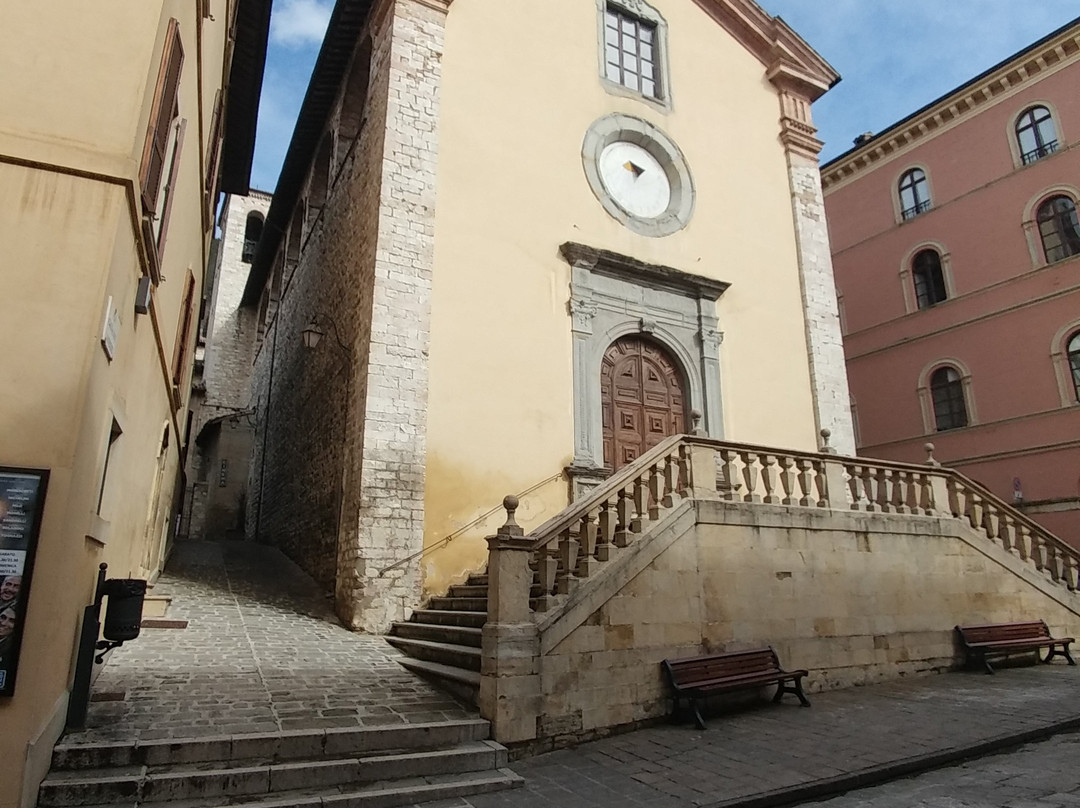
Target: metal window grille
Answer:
[[947, 391]]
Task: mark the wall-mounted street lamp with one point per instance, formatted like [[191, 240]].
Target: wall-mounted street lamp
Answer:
[[314, 332]]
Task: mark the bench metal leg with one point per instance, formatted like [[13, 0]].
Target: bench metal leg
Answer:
[[1054, 652], [795, 689], [697, 715]]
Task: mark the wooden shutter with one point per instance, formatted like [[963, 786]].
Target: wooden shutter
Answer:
[[183, 335], [162, 112], [170, 186], [213, 161]]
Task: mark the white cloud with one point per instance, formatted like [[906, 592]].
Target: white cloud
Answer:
[[298, 23]]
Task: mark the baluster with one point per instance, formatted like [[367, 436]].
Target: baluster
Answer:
[[787, 480], [855, 485], [547, 567], [1071, 570], [729, 473], [805, 465], [957, 499], [871, 488], [685, 481], [641, 502], [671, 481], [1053, 558], [587, 534], [821, 483], [624, 513], [1023, 542], [1038, 552], [885, 489], [768, 479], [656, 490], [902, 485], [1007, 533], [606, 520], [750, 476], [926, 494], [991, 521], [975, 510], [565, 582]]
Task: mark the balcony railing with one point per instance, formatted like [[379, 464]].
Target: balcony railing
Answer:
[[1039, 152], [916, 209]]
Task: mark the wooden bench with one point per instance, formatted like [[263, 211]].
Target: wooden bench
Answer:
[[1003, 639], [697, 678]]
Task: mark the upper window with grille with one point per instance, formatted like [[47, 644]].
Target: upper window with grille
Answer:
[[914, 193], [1036, 134], [632, 43], [1059, 228]]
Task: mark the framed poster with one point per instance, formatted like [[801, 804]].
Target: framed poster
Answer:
[[22, 502]]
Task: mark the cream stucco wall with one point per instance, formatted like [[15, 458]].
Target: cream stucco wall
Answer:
[[519, 90], [74, 106]]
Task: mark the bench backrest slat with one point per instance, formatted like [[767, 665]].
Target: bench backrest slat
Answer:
[[998, 632], [721, 666]]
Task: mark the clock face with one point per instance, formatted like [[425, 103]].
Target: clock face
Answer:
[[634, 179]]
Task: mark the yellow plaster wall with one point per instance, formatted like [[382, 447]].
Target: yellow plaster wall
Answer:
[[519, 91], [76, 98]]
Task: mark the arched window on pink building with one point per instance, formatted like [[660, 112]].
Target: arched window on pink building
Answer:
[[947, 394], [928, 278], [1073, 349], [1058, 228], [914, 193], [1036, 134]]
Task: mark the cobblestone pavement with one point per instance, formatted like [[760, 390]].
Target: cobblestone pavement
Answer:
[[262, 652], [1040, 774], [865, 732]]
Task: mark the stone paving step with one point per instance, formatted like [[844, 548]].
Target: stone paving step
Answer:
[[175, 782], [379, 794], [450, 617], [468, 591], [274, 746], [463, 683], [459, 604], [455, 635], [460, 656]]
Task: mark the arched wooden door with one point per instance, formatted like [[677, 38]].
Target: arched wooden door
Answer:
[[644, 399]]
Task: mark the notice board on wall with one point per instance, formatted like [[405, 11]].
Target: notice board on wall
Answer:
[[22, 502]]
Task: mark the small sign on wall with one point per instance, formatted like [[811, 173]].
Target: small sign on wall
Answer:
[[223, 476], [110, 329]]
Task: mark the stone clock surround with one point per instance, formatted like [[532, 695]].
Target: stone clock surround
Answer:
[[613, 296]]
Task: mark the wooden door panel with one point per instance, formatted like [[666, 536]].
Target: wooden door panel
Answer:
[[643, 398]]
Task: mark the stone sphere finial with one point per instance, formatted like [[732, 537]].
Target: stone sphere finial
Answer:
[[930, 459], [510, 527], [695, 422], [825, 447]]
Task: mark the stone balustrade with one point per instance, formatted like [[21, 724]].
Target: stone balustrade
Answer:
[[570, 548]]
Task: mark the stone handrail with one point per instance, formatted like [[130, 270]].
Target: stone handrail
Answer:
[[569, 548]]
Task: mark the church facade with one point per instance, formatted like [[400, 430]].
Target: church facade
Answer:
[[510, 252]]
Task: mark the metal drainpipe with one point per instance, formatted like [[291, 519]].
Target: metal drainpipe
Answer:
[[266, 429]]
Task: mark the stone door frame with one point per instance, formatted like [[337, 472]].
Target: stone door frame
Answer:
[[614, 296]]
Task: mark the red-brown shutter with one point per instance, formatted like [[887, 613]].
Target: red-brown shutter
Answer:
[[162, 112], [213, 161], [170, 186], [183, 332]]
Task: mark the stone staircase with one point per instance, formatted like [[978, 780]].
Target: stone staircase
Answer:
[[442, 642], [370, 767]]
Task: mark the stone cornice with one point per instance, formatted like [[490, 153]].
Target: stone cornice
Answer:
[[656, 275], [438, 5], [790, 62], [1047, 55]]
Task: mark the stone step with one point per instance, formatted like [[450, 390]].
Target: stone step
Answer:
[[468, 591], [456, 635], [458, 656], [382, 794], [450, 617], [187, 781], [459, 604], [463, 683], [281, 746]]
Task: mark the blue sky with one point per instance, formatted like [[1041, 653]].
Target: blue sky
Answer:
[[894, 58]]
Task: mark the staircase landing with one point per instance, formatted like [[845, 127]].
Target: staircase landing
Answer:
[[264, 697]]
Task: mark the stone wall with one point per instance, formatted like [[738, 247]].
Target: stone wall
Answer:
[[853, 597], [338, 469]]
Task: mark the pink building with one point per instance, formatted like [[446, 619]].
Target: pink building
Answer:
[[957, 257]]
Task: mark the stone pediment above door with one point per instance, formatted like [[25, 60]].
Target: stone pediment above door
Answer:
[[614, 297]]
